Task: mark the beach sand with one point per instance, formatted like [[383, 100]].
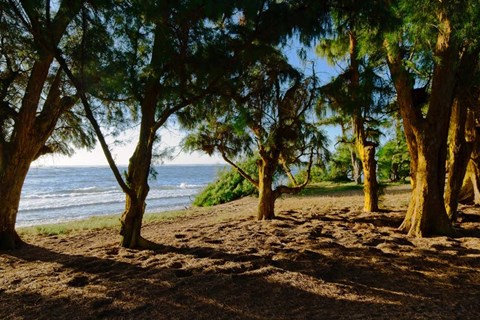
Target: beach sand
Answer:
[[323, 258]]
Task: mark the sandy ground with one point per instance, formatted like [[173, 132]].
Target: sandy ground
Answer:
[[321, 259]]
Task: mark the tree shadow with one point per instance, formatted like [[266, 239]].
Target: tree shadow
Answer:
[[131, 291], [321, 279]]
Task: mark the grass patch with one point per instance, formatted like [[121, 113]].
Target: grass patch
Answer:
[[93, 223], [325, 188]]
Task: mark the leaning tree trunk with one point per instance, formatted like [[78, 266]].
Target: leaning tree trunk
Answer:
[[31, 131], [266, 196]]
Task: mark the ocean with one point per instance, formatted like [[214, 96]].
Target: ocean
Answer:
[[58, 194]]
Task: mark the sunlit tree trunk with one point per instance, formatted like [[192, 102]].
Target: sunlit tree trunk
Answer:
[[470, 191], [266, 196], [426, 213], [462, 135], [364, 148], [371, 185]]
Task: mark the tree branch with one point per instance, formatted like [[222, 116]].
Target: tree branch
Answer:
[[240, 170], [95, 125], [297, 188]]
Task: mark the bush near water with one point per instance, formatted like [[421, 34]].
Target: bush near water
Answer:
[[229, 186]]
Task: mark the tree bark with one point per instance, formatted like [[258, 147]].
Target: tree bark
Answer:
[[266, 197]]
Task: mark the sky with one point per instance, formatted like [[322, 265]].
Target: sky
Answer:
[[172, 137]]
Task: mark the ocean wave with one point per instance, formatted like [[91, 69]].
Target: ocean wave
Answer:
[[185, 185], [25, 207]]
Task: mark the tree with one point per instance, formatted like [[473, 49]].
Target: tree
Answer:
[[359, 93], [36, 114], [424, 58], [265, 112], [166, 54]]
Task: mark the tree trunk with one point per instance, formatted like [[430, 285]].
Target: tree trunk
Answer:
[[266, 197], [426, 213], [370, 186], [131, 221], [356, 167], [427, 134], [364, 149], [11, 183], [137, 180], [462, 135], [132, 217], [470, 192]]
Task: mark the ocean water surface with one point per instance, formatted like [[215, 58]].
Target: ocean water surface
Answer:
[[56, 194]]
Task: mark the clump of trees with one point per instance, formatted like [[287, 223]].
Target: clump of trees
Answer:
[[218, 67]]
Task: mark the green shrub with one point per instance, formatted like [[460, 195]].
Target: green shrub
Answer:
[[229, 186]]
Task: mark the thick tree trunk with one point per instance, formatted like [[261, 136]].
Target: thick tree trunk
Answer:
[[140, 164], [12, 178], [427, 134], [131, 221], [426, 213], [266, 197], [11, 183]]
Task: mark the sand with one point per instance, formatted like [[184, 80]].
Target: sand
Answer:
[[323, 258]]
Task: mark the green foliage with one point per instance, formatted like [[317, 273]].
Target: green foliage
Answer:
[[394, 161], [229, 186], [338, 168]]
